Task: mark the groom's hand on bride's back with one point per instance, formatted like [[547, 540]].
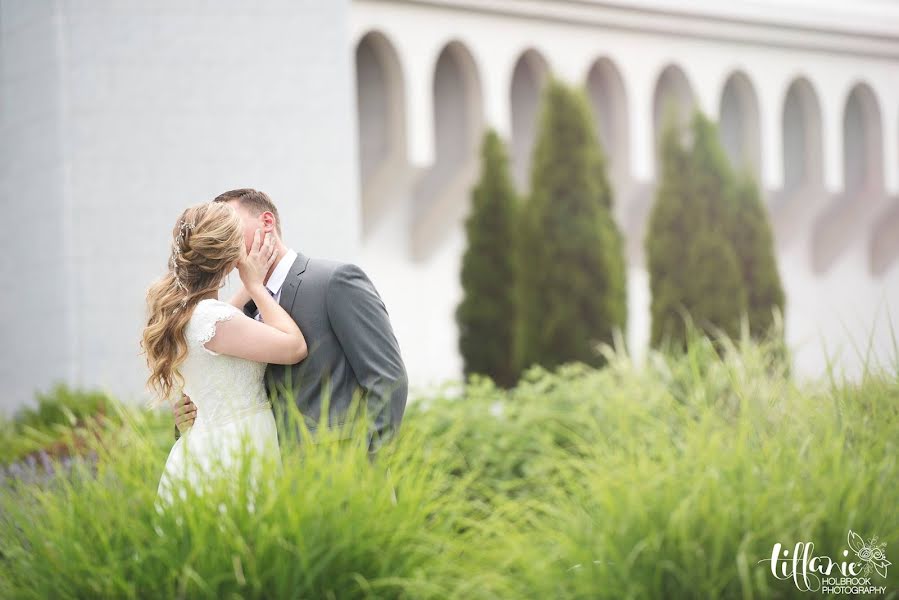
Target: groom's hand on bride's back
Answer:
[[185, 412]]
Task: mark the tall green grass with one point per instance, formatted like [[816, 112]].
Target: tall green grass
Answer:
[[670, 479]]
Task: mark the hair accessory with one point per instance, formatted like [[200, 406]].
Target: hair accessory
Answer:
[[176, 251]]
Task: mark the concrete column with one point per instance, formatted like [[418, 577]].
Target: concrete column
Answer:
[[419, 60], [833, 103], [771, 95], [496, 83], [642, 86]]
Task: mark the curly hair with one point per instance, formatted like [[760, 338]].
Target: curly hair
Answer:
[[207, 242]]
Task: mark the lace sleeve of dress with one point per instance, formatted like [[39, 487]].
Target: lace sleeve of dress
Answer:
[[211, 313]]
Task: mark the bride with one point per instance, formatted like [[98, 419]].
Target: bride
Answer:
[[211, 351]]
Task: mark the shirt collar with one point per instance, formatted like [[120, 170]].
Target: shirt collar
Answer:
[[278, 276]]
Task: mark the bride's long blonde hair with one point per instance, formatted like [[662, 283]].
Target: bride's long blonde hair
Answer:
[[207, 243]]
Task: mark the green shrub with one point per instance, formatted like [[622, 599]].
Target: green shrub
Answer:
[[716, 297], [62, 405], [572, 291], [754, 245], [486, 315], [57, 412], [700, 198], [666, 479], [672, 223]]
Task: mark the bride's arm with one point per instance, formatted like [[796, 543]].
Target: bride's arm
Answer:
[[278, 340]]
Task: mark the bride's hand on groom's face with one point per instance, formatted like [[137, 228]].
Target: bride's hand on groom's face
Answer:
[[185, 413], [254, 266]]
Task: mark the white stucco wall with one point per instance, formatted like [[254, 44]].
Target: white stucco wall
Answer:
[[771, 45], [116, 116]]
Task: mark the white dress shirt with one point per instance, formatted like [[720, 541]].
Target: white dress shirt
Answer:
[[276, 281]]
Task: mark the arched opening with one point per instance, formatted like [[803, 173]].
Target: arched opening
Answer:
[[795, 204], [673, 100], [528, 77], [380, 110], [801, 125], [456, 91], [605, 89], [850, 215], [739, 123], [441, 198], [862, 142]]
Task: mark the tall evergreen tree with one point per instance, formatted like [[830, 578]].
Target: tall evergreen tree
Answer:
[[673, 223], [693, 265], [735, 209], [754, 245], [716, 296], [711, 177], [486, 314], [705, 221], [572, 289]]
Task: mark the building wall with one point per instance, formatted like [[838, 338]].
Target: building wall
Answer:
[[36, 328], [742, 60], [116, 116]]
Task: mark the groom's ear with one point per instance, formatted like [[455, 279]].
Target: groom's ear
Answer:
[[270, 223]]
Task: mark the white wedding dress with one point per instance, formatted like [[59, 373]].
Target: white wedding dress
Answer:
[[232, 407]]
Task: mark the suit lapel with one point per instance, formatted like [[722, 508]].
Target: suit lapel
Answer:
[[289, 287], [292, 282]]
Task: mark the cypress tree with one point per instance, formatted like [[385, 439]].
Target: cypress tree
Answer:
[[734, 208], [486, 314], [711, 178], [754, 245], [672, 225], [716, 293], [693, 265], [572, 291], [716, 296]]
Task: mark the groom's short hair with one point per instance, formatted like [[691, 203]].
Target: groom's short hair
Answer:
[[254, 201]]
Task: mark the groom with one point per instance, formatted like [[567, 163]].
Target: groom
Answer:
[[351, 343]]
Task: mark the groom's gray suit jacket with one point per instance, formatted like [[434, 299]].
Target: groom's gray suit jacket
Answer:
[[351, 347]]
